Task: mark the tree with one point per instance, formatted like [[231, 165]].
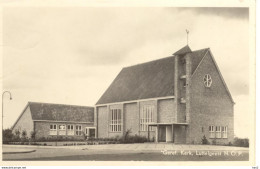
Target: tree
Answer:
[[7, 136], [24, 135], [204, 140], [33, 135], [17, 135]]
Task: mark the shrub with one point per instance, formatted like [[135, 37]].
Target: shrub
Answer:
[[134, 139], [60, 138], [241, 142], [117, 138], [214, 141], [41, 139], [85, 137], [204, 140], [91, 139], [126, 135]]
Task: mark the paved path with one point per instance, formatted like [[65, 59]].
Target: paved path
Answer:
[[14, 150], [127, 152], [133, 147]]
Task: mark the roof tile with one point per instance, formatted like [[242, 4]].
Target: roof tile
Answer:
[[147, 80], [61, 112]]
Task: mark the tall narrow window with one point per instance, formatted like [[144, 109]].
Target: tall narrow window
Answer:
[[115, 120], [211, 132], [146, 117], [218, 132], [78, 130], [53, 129], [224, 131]]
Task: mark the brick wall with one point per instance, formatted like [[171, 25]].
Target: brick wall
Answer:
[[130, 116], [42, 129], [186, 118], [179, 134], [102, 121], [131, 120], [24, 123], [166, 111], [209, 106]]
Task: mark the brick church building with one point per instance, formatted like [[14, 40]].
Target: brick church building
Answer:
[[175, 99]]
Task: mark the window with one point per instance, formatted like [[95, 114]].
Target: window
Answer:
[[53, 129], [218, 132], [224, 132], [70, 129], [211, 132], [78, 130], [115, 120], [62, 129], [207, 80], [146, 117]]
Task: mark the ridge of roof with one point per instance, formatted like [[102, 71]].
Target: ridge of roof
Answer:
[[200, 50], [147, 62], [167, 57], [30, 102]]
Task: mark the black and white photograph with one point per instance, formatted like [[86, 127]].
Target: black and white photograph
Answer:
[[127, 83]]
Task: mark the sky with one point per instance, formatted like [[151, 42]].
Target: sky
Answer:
[[70, 55]]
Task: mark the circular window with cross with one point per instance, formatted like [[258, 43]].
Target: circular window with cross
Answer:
[[207, 80]]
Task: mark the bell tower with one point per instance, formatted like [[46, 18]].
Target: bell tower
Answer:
[[182, 67]]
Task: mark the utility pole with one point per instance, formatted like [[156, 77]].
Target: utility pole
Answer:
[[3, 111]]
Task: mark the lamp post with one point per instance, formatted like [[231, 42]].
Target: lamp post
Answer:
[[3, 107]]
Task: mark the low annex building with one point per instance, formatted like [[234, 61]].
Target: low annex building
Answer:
[[175, 99], [52, 120]]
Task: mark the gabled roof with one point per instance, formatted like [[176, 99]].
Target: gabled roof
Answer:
[[59, 112], [147, 80]]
